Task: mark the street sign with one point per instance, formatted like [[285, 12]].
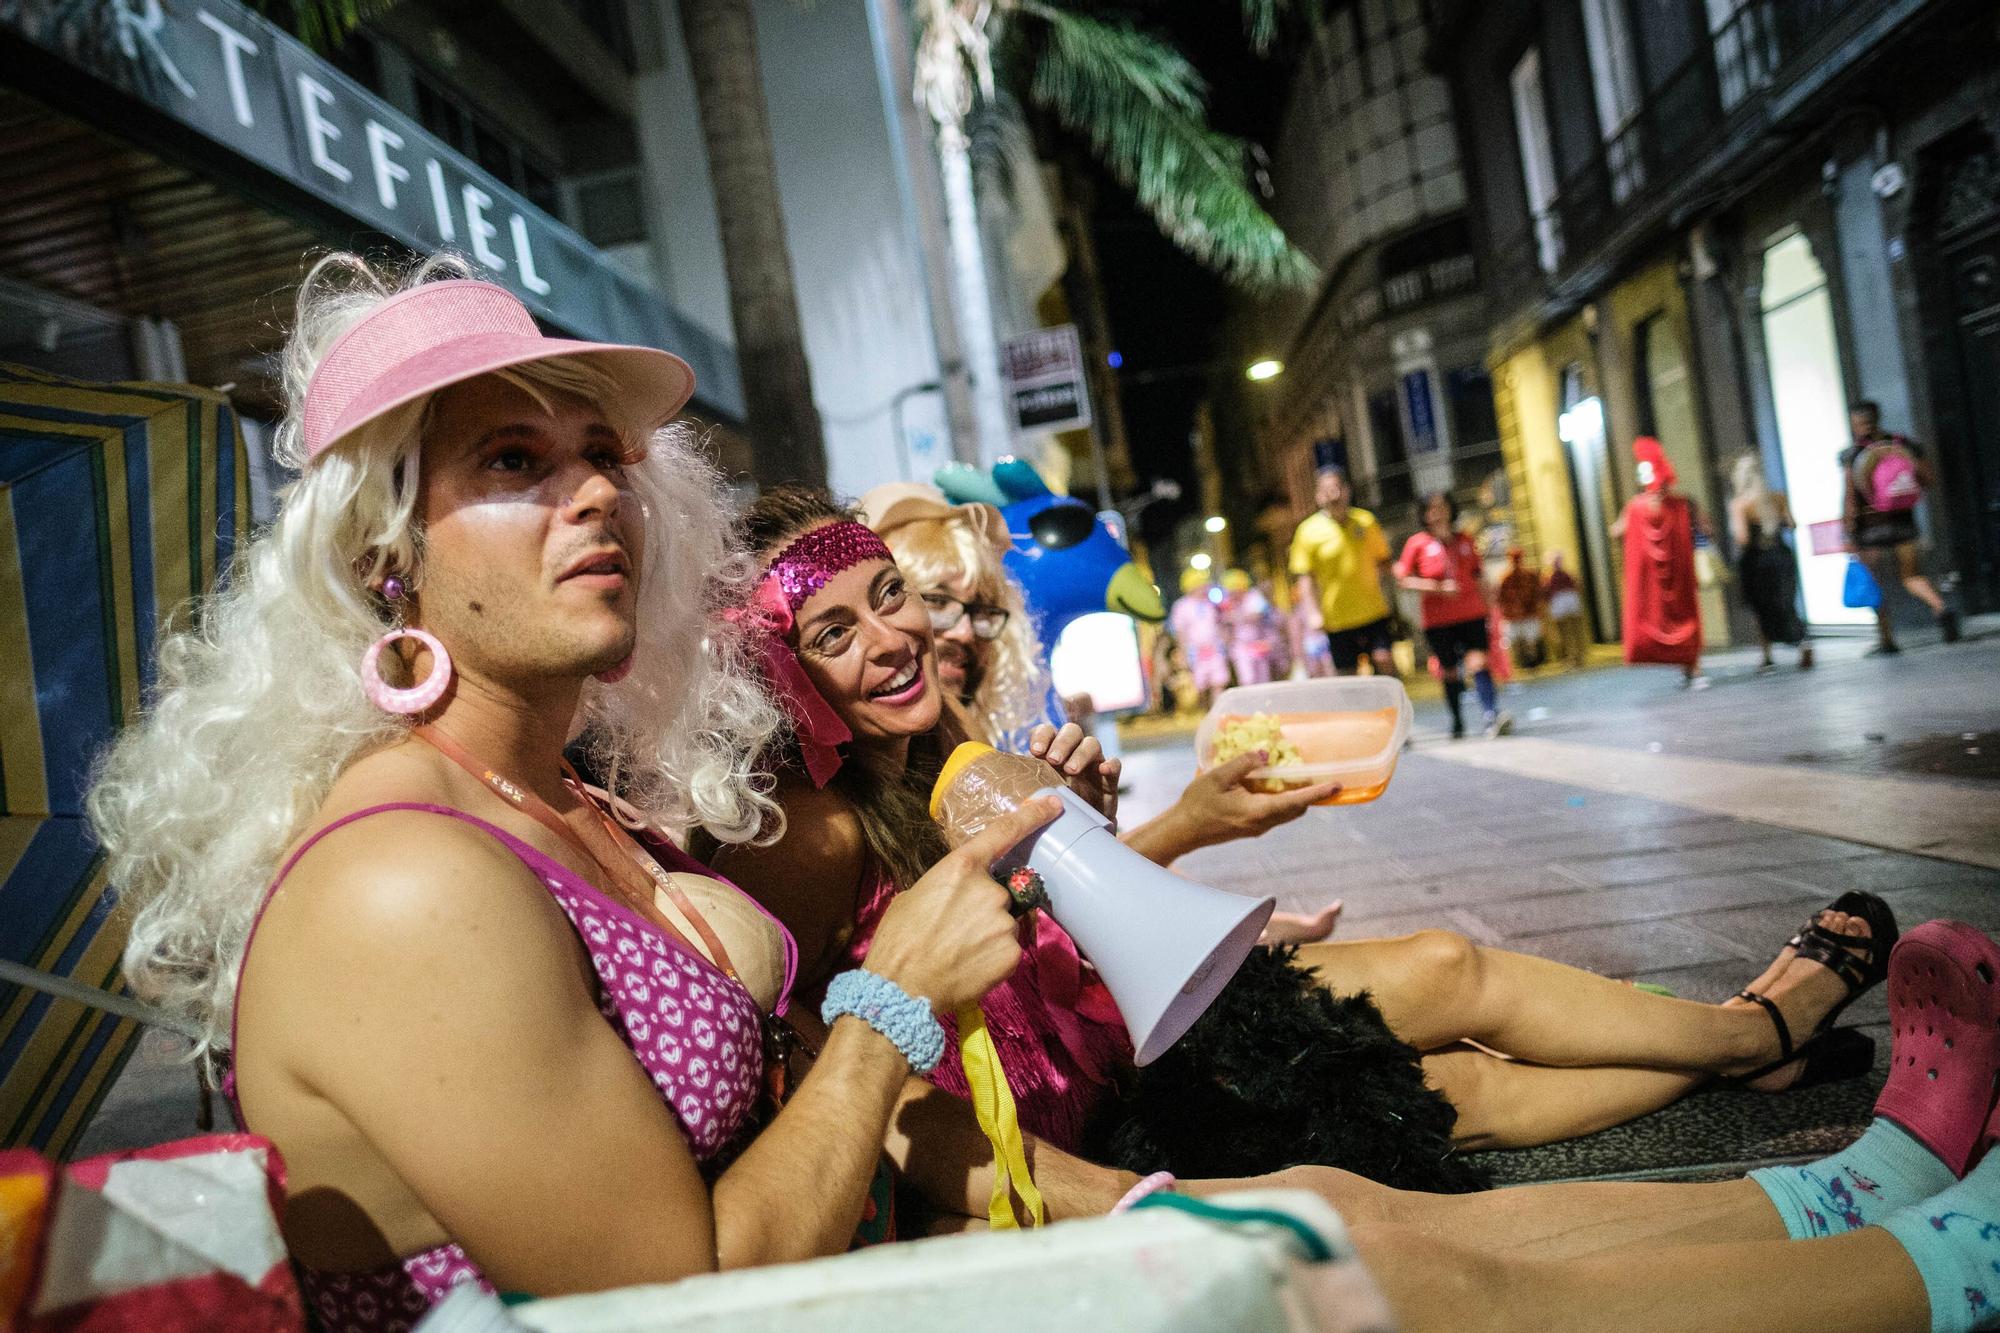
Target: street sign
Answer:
[[1422, 418], [1045, 380]]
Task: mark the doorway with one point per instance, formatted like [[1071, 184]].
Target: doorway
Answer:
[[1809, 396], [1667, 413], [1961, 295], [1581, 428]]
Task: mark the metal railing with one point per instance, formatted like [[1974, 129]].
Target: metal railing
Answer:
[[1761, 48]]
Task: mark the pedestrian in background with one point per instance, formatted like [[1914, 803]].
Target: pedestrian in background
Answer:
[[1565, 602], [1521, 605], [1443, 565], [1336, 561], [1196, 620], [1760, 523], [1662, 617], [1886, 476], [1255, 634], [1312, 655]]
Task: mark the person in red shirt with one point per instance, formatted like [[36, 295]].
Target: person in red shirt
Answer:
[[1443, 564]]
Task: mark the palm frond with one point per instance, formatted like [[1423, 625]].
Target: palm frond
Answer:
[[1260, 22], [323, 25], [1142, 108]]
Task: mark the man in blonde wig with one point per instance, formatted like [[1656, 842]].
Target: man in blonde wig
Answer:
[[495, 1040]]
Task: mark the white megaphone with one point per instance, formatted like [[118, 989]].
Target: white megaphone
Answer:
[[1165, 946]]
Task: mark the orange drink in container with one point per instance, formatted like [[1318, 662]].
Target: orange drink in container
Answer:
[[1347, 729]]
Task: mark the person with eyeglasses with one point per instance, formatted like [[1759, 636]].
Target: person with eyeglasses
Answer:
[[953, 619], [989, 657]]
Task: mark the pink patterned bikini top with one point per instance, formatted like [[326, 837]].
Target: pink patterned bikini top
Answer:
[[1058, 1032], [695, 1031]]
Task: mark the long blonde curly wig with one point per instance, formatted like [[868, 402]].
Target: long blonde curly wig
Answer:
[[933, 551], [258, 705]]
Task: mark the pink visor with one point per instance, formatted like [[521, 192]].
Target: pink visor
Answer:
[[442, 333]]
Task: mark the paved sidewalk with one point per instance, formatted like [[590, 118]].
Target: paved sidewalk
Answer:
[[1662, 887]]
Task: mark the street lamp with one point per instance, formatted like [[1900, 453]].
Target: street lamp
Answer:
[[1200, 561], [1216, 523], [1265, 368]]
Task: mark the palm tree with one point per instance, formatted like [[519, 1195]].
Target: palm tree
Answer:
[[784, 422], [1137, 103]]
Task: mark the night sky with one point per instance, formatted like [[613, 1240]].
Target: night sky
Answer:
[[1166, 310]]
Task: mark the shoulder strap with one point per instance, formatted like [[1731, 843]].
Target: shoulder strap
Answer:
[[425, 807]]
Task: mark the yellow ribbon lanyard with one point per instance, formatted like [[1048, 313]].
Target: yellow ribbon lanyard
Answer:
[[993, 1103]]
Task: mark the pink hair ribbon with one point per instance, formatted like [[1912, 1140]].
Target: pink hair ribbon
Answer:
[[818, 729]]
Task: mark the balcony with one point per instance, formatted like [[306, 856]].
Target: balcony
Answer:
[[1662, 152]]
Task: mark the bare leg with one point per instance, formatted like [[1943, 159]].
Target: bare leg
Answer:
[[1563, 1221], [1435, 988], [1882, 565], [1924, 591], [1910, 574], [1863, 1281], [1507, 1104]]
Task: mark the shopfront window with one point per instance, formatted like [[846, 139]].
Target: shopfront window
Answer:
[[1538, 158], [1614, 79]]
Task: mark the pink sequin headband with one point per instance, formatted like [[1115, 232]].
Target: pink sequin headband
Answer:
[[813, 560], [801, 569]]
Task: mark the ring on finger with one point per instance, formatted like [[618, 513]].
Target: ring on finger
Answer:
[[1025, 887]]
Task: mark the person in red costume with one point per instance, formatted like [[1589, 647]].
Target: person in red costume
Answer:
[[1662, 620]]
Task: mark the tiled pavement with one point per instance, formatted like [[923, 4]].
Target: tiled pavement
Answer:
[[1639, 887]]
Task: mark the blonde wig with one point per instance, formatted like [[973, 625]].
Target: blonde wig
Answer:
[[1013, 695], [258, 705], [1748, 486]]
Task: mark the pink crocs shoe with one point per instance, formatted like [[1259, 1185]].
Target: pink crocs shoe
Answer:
[[1944, 1017]]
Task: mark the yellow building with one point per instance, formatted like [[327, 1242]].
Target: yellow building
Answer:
[[1571, 397]]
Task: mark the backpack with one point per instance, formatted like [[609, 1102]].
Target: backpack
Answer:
[[1893, 487]]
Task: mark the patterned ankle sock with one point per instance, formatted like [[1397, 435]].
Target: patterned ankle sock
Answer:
[[1489, 698], [1883, 1170], [1954, 1240]]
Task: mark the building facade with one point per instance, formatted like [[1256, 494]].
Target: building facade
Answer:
[[1385, 361], [1719, 222]]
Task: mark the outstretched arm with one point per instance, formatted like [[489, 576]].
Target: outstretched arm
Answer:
[[1217, 808]]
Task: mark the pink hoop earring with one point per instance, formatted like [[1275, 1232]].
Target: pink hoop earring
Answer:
[[612, 675], [417, 697]]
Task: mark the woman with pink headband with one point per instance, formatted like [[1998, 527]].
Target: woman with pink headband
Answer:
[[494, 1039], [1903, 1219]]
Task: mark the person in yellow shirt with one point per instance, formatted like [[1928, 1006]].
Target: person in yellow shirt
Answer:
[[1337, 558]]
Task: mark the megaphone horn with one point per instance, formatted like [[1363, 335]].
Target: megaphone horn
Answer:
[[1164, 945]]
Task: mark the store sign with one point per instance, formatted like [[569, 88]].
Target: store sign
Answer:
[[1045, 380], [233, 77], [1420, 407]]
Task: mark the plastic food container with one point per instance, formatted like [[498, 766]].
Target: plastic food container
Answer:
[[1348, 729]]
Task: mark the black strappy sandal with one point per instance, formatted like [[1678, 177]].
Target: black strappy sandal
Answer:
[[1859, 973]]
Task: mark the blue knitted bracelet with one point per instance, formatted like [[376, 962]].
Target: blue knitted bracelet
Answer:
[[883, 1005]]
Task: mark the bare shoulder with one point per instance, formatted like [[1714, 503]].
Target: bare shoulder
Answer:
[[408, 901], [395, 863], [809, 878]]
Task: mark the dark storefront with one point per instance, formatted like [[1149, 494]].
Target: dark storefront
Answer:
[[178, 165]]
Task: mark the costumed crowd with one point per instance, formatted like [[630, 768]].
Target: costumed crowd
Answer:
[[547, 855]]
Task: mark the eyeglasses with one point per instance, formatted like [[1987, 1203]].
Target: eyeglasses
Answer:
[[946, 612]]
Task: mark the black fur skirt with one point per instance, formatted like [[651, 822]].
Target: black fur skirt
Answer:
[[1281, 1073]]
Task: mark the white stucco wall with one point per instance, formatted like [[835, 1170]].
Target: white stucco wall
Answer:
[[860, 287]]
